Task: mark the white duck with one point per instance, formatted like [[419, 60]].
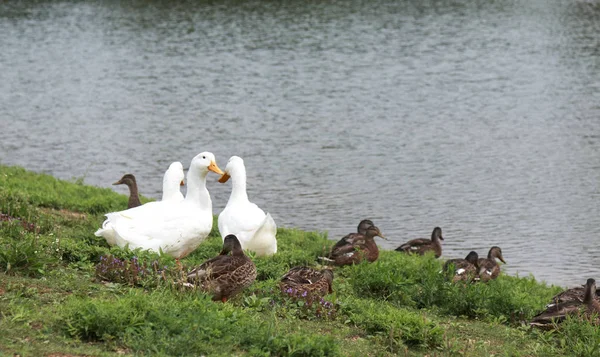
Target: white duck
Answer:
[[255, 230], [173, 227], [172, 181]]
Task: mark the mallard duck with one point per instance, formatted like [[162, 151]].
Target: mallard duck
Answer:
[[422, 245], [464, 269], [573, 294], [172, 181], [304, 281], [225, 275], [356, 247], [558, 312], [488, 268], [134, 196], [173, 227], [256, 230]]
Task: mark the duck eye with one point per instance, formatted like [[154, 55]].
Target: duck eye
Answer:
[[204, 157]]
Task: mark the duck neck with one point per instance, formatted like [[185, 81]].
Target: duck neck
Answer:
[[238, 185], [134, 196], [196, 191], [590, 294]]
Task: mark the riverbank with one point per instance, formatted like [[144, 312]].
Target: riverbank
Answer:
[[53, 302]]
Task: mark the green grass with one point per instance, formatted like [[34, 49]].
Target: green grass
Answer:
[[53, 302]]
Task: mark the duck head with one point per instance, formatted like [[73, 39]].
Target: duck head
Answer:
[[373, 232], [234, 165], [472, 257], [231, 245], [436, 234], [496, 252], [364, 225], [127, 179], [204, 162], [174, 174]]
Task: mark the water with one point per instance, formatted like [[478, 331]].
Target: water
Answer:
[[481, 117]]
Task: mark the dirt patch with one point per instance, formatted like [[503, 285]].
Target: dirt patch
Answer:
[[65, 213]]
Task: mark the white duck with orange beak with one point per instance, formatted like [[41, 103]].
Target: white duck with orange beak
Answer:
[[174, 227], [255, 230]]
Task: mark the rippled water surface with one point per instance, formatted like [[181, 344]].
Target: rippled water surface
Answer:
[[481, 117]]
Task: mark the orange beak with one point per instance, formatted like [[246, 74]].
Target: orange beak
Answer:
[[224, 178], [214, 168], [181, 184]]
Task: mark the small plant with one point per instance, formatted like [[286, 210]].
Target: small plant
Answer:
[[124, 271]]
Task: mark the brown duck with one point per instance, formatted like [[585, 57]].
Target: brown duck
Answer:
[[227, 274], [558, 312], [422, 245], [356, 247], [488, 268], [305, 281], [134, 197], [463, 269], [573, 294]]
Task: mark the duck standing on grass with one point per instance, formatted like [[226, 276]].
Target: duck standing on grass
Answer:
[[227, 274], [422, 245], [173, 227], [464, 269], [488, 267], [305, 281], [558, 312], [255, 230], [355, 247]]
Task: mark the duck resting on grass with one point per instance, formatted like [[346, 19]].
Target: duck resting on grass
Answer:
[[573, 294], [355, 247], [589, 308], [463, 269], [225, 275], [306, 281], [488, 268], [422, 245], [173, 227], [255, 230]]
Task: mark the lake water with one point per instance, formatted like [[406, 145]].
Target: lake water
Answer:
[[481, 117]]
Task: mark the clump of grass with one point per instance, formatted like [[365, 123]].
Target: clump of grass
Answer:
[[20, 251], [396, 326], [185, 324], [578, 337]]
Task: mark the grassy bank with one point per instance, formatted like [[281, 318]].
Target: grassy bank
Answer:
[[52, 301]]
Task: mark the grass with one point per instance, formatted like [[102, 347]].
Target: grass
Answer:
[[64, 291]]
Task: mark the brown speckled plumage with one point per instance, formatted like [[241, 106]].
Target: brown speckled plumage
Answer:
[[305, 279], [134, 197], [589, 309], [463, 269], [488, 268], [225, 275], [356, 247], [422, 245]]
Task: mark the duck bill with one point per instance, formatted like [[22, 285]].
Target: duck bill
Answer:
[[224, 178], [502, 260], [118, 183], [382, 236], [181, 183], [214, 168], [442, 238]]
